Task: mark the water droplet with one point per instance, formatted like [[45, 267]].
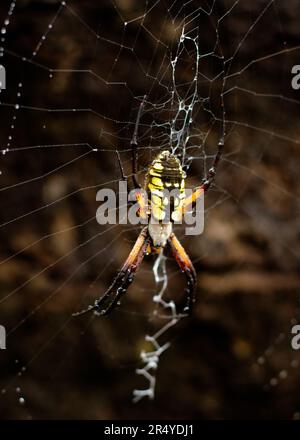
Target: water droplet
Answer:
[[18, 390], [283, 374], [21, 400], [3, 30], [6, 22], [274, 382], [17, 106]]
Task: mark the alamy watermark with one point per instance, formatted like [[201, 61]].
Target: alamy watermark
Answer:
[[2, 338], [164, 207], [296, 78], [295, 341], [2, 78]]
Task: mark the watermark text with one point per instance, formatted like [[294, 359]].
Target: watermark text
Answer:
[[2, 78], [2, 338], [162, 207]]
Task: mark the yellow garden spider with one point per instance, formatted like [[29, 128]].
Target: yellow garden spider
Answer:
[[165, 172]]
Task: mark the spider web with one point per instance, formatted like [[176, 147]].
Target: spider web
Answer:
[[76, 75]]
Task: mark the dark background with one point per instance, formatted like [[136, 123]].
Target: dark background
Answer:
[[232, 358]]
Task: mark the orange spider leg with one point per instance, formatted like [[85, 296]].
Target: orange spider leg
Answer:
[[207, 182], [123, 279], [143, 205], [187, 268], [190, 201]]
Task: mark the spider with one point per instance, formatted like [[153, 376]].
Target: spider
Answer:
[[164, 172]]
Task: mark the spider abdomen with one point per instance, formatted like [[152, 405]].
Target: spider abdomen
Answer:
[[165, 185]]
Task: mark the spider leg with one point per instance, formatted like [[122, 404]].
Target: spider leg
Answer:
[[134, 145], [123, 279], [187, 267], [207, 181], [139, 195], [121, 166]]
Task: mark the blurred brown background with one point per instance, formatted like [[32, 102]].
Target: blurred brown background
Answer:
[[232, 358]]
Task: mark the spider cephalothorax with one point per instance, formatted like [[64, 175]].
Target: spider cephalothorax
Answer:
[[165, 176]]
